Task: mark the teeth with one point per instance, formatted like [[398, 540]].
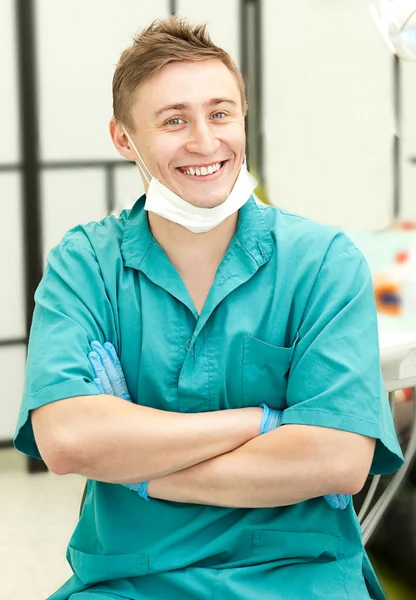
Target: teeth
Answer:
[[203, 170]]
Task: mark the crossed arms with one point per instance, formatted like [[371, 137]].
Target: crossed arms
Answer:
[[214, 458]]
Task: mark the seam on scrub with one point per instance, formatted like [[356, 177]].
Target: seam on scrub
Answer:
[[315, 282], [178, 370], [344, 254], [35, 338], [131, 252], [68, 243], [100, 272], [285, 212], [35, 362], [144, 255], [229, 255], [221, 283], [246, 250], [242, 368], [55, 385], [261, 249], [226, 259], [332, 412], [340, 414], [341, 554], [267, 230], [208, 370], [76, 322], [25, 407], [324, 269], [214, 588]]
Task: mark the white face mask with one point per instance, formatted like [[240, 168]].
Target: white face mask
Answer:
[[165, 203]]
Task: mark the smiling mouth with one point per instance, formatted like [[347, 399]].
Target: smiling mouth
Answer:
[[211, 171]]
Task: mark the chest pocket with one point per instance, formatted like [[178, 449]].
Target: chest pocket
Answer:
[[265, 373]]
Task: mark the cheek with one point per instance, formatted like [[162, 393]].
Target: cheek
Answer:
[[235, 140], [164, 153]]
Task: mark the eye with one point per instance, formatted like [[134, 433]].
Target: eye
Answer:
[[219, 114], [174, 121]]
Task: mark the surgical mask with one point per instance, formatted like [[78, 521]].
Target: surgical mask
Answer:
[[165, 203]]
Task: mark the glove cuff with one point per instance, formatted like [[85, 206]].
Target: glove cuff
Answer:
[[143, 491], [266, 413], [139, 488]]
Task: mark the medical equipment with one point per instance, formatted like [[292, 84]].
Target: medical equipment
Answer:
[[395, 289], [398, 363], [396, 20]]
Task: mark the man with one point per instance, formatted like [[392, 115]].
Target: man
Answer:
[[214, 306]]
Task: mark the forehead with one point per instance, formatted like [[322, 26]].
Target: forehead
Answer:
[[191, 82]]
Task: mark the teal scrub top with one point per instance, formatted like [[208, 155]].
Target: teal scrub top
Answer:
[[290, 320]]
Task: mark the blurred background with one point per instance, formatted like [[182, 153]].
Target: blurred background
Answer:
[[331, 135]]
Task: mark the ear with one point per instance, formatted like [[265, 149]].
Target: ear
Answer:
[[120, 140]]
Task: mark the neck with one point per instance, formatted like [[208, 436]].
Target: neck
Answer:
[[184, 248]]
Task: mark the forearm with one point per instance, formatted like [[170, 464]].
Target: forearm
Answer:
[[283, 467], [108, 439]]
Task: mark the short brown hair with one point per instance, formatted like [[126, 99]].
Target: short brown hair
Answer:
[[163, 42]]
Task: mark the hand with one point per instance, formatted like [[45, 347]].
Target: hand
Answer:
[[109, 376], [271, 420], [109, 379]]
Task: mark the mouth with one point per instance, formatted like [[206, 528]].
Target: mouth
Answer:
[[207, 172]]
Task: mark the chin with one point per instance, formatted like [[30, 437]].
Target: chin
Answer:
[[211, 203], [216, 201], [210, 199]]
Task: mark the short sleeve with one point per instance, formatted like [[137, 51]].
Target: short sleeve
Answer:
[[71, 310], [335, 378]]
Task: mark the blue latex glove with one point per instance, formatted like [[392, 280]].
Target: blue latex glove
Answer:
[[109, 379], [271, 420], [109, 376]]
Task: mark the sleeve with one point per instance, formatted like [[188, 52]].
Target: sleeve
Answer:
[[71, 310], [335, 378]]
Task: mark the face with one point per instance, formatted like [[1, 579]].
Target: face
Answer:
[[189, 130]]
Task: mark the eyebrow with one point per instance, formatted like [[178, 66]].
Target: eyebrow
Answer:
[[187, 106]]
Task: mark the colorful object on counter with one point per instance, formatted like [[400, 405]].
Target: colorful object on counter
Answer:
[[387, 294], [403, 395], [395, 290]]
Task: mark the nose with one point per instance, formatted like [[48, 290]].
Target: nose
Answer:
[[203, 139]]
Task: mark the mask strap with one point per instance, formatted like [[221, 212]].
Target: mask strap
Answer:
[[142, 171], [140, 163]]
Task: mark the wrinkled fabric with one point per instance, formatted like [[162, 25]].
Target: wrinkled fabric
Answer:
[[290, 321]]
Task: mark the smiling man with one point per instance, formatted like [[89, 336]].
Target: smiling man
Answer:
[[247, 341], [177, 139]]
